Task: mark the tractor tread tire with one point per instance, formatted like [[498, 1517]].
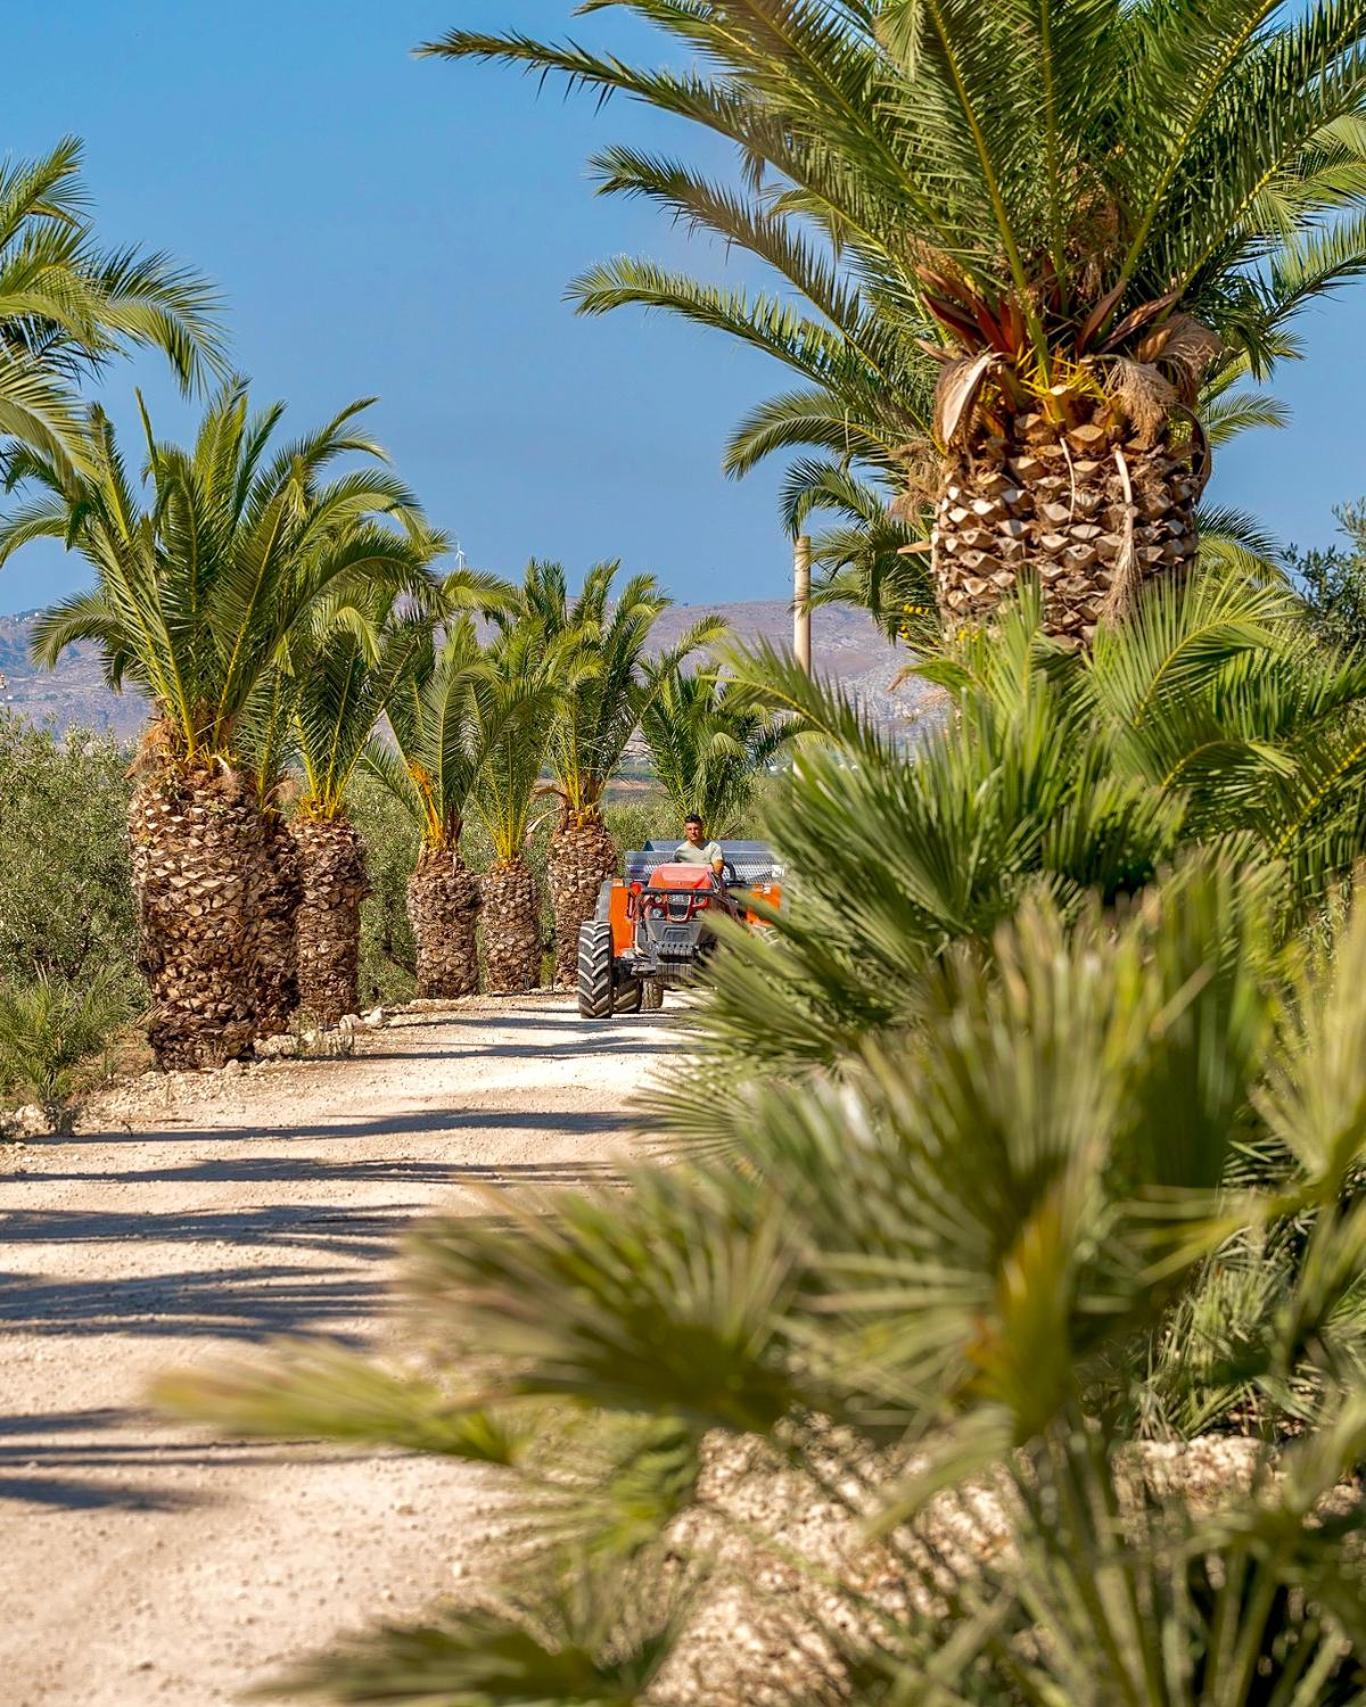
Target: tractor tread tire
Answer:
[[595, 970], [652, 999]]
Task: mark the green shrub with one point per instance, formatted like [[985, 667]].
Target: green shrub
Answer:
[[388, 954], [66, 902]]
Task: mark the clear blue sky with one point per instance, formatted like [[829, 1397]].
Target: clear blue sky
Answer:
[[384, 225]]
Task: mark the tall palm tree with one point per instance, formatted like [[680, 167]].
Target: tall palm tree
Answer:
[[348, 670], [1028, 235], [709, 743], [595, 723], [440, 746], [67, 306], [197, 595], [517, 696]]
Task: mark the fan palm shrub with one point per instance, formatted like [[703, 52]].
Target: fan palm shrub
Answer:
[[919, 1286], [1209, 711], [49, 1027], [595, 724], [1025, 238], [68, 306], [710, 742], [196, 596]]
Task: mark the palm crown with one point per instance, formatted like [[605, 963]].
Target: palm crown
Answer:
[[708, 742], [610, 689], [442, 742], [1047, 179], [67, 306], [197, 593], [1073, 213]]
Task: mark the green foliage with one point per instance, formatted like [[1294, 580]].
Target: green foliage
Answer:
[[710, 743], [441, 740], [198, 595], [48, 1028], [923, 179], [609, 688], [388, 954], [597, 1641], [1210, 713], [68, 307], [1333, 581], [920, 1285], [530, 672], [345, 672], [66, 905]]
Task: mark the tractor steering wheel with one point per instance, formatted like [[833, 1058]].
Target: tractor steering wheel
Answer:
[[732, 877]]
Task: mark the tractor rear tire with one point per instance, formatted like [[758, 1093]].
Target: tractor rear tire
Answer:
[[595, 970], [628, 996], [652, 998]]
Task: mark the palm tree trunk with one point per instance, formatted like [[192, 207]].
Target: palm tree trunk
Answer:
[[512, 927], [332, 869], [443, 906], [582, 855], [1093, 509], [201, 864], [277, 949]]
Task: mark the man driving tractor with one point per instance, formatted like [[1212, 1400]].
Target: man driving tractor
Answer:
[[695, 849], [653, 926]]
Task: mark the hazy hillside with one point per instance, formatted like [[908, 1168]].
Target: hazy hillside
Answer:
[[846, 646]]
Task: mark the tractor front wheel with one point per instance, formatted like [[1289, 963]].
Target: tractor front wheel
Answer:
[[595, 970], [652, 999]]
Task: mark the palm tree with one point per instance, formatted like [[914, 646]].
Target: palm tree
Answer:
[[517, 696], [595, 724], [1028, 236], [442, 745], [67, 307], [709, 743], [348, 670], [196, 598]]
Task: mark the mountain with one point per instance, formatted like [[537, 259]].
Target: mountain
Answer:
[[846, 646], [73, 696]]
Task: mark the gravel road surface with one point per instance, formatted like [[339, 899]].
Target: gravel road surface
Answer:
[[143, 1561]]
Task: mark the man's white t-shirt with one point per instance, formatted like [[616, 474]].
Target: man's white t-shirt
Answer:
[[688, 854]]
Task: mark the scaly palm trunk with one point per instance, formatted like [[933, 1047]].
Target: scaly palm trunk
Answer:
[[277, 949], [512, 927], [582, 855], [332, 870], [201, 865], [1092, 509], [443, 907]]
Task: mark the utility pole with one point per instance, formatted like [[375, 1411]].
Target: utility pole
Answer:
[[801, 601]]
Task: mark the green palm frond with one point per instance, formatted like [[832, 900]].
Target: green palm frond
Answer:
[[709, 742], [67, 307], [936, 176], [201, 592]]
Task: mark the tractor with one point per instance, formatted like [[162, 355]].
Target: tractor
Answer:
[[651, 927]]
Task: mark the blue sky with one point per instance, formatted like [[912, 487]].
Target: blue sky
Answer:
[[384, 225]]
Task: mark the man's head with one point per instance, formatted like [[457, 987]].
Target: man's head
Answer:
[[694, 830]]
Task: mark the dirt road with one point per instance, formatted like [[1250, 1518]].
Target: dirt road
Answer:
[[141, 1561]]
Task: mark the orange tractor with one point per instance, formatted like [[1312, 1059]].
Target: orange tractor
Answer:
[[652, 926]]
